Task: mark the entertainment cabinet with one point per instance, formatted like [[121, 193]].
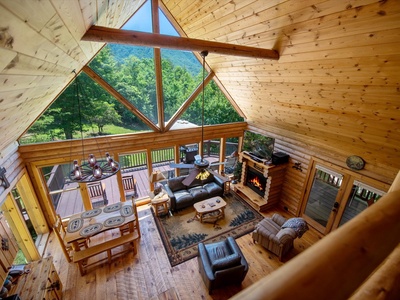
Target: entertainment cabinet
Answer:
[[274, 175]]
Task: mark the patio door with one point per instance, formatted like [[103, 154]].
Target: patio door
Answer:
[[333, 197], [25, 219]]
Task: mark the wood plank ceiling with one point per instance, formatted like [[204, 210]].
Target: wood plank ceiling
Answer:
[[335, 87]]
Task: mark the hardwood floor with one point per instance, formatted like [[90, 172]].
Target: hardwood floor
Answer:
[[148, 275]]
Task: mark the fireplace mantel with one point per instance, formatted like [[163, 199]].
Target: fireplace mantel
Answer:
[[275, 175]]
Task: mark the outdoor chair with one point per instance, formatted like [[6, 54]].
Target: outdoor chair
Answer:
[[230, 163], [97, 194], [221, 263], [129, 184], [60, 231]]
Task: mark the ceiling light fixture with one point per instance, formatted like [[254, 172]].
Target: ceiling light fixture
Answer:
[[90, 169], [203, 164], [200, 164]]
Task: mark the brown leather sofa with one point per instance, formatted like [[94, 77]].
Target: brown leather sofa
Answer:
[[221, 263]]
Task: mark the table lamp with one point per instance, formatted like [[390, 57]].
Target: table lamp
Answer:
[[155, 177]]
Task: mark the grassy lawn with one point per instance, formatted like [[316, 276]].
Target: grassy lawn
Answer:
[[42, 138]]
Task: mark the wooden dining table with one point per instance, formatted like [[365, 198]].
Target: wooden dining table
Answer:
[[98, 220]]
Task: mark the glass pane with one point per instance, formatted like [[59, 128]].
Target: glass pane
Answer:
[[211, 152], [359, 199], [165, 25], [161, 159], [187, 155], [217, 108], [141, 20], [135, 164], [130, 71], [231, 147], [18, 199], [65, 194], [322, 196], [181, 75], [100, 113]]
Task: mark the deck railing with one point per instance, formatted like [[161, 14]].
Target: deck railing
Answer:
[[166, 155]]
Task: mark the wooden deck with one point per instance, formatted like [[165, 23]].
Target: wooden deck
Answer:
[[71, 202], [149, 275]]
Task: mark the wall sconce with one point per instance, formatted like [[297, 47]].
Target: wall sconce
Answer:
[[297, 166], [3, 180]]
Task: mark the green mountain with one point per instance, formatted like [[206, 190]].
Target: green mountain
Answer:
[[183, 59]]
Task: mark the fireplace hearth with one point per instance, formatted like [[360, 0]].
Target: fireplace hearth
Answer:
[[256, 181]]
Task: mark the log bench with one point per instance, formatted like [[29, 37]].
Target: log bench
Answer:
[[81, 257]]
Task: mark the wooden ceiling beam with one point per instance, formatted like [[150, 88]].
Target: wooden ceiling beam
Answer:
[[130, 37]]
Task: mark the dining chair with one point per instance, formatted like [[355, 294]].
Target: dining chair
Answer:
[[127, 228], [129, 183], [97, 194], [60, 231]]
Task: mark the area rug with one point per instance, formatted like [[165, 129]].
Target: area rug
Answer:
[[182, 232]]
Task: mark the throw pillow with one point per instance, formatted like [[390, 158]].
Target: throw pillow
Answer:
[[157, 190], [298, 224], [226, 262], [159, 195]]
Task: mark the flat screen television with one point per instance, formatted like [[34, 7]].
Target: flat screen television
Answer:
[[257, 144]]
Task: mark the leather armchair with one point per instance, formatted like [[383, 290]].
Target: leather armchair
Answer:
[[221, 263], [277, 234]]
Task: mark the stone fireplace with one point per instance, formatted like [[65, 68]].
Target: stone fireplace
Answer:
[[260, 184]]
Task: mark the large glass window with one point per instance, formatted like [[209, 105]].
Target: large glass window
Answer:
[[361, 197], [334, 196], [64, 194], [135, 164], [323, 194]]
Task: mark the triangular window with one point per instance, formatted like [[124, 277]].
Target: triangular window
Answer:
[[130, 71]]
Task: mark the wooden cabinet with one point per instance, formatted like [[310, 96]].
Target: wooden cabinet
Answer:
[[40, 283]]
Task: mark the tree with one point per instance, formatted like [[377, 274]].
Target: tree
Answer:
[[103, 114]]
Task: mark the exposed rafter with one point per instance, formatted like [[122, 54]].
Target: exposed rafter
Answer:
[[130, 37]]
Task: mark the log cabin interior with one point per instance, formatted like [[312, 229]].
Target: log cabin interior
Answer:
[[320, 77]]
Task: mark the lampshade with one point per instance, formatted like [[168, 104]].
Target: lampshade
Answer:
[[156, 177]]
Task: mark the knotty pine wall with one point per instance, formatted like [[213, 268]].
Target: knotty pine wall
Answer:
[[295, 180], [335, 90]]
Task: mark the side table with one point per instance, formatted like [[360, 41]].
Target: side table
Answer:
[[160, 206], [160, 203]]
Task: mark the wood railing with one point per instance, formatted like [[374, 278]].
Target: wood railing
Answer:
[[338, 265], [138, 159]]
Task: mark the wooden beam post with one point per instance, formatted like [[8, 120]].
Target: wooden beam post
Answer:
[[130, 37]]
